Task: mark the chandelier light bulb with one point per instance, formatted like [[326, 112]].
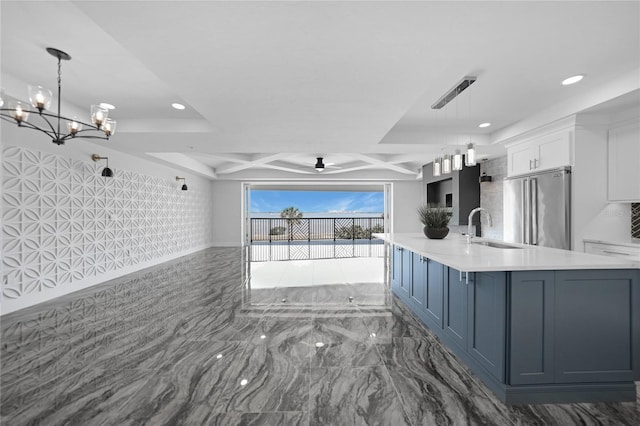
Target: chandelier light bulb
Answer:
[[98, 115], [74, 127], [109, 127], [18, 112], [40, 97]]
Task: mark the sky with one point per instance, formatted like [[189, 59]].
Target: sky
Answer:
[[267, 201]]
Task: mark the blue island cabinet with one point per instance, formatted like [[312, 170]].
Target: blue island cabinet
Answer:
[[532, 336], [577, 329]]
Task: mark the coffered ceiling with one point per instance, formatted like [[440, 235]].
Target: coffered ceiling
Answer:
[[270, 86]]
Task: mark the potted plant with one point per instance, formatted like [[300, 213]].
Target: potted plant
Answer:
[[435, 219]]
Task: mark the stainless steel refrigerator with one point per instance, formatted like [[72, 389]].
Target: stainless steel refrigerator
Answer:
[[537, 209]]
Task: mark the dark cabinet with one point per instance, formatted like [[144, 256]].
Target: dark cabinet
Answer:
[[433, 306], [407, 272], [460, 190], [396, 267], [418, 282], [455, 306], [531, 327], [402, 273], [532, 336], [594, 334], [487, 321], [573, 327]]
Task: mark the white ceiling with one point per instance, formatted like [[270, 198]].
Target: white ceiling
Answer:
[[270, 86]]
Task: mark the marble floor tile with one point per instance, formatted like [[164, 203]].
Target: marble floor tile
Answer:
[[267, 379], [172, 344], [354, 396]]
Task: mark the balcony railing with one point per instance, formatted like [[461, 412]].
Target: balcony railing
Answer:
[[315, 238]]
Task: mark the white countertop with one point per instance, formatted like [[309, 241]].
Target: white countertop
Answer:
[[454, 252], [633, 243]]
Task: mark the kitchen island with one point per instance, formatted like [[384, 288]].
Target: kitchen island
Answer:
[[535, 324]]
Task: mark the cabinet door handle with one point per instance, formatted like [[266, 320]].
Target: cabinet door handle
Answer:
[[466, 277], [422, 259], [535, 163], [530, 164], [616, 252]]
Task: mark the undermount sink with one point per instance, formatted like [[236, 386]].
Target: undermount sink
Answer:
[[495, 245]]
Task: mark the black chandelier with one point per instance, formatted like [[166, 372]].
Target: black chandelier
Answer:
[[40, 99]]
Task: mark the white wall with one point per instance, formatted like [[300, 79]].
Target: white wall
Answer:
[[406, 197], [66, 228], [592, 215], [227, 212]]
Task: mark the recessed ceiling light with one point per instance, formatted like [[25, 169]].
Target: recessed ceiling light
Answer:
[[106, 105], [178, 106], [484, 125], [571, 80]]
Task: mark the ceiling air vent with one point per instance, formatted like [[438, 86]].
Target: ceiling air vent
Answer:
[[455, 91]]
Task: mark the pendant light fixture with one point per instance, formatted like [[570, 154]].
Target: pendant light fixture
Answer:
[[446, 164], [40, 98], [184, 182], [437, 166], [470, 159], [106, 172], [456, 163]]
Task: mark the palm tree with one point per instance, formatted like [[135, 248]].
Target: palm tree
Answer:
[[293, 216]]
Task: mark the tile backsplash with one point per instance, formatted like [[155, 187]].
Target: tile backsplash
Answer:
[[635, 220]]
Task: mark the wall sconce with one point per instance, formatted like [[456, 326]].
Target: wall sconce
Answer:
[[485, 178], [184, 184], [106, 172]]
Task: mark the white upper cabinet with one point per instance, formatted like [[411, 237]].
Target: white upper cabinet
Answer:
[[542, 153], [624, 162]]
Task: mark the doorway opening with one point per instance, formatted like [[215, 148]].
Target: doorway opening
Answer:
[[316, 244]]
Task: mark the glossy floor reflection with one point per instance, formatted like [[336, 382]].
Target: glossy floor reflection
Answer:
[[184, 343]]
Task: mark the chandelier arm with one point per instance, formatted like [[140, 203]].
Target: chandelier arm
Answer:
[[27, 125], [44, 117], [90, 126], [71, 136], [7, 117]]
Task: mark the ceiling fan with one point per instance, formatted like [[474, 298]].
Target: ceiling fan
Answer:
[[320, 164]]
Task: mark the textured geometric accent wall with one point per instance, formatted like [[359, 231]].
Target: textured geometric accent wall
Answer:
[[635, 220], [63, 222]]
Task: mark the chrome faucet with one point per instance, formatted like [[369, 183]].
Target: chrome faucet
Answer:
[[477, 209]]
